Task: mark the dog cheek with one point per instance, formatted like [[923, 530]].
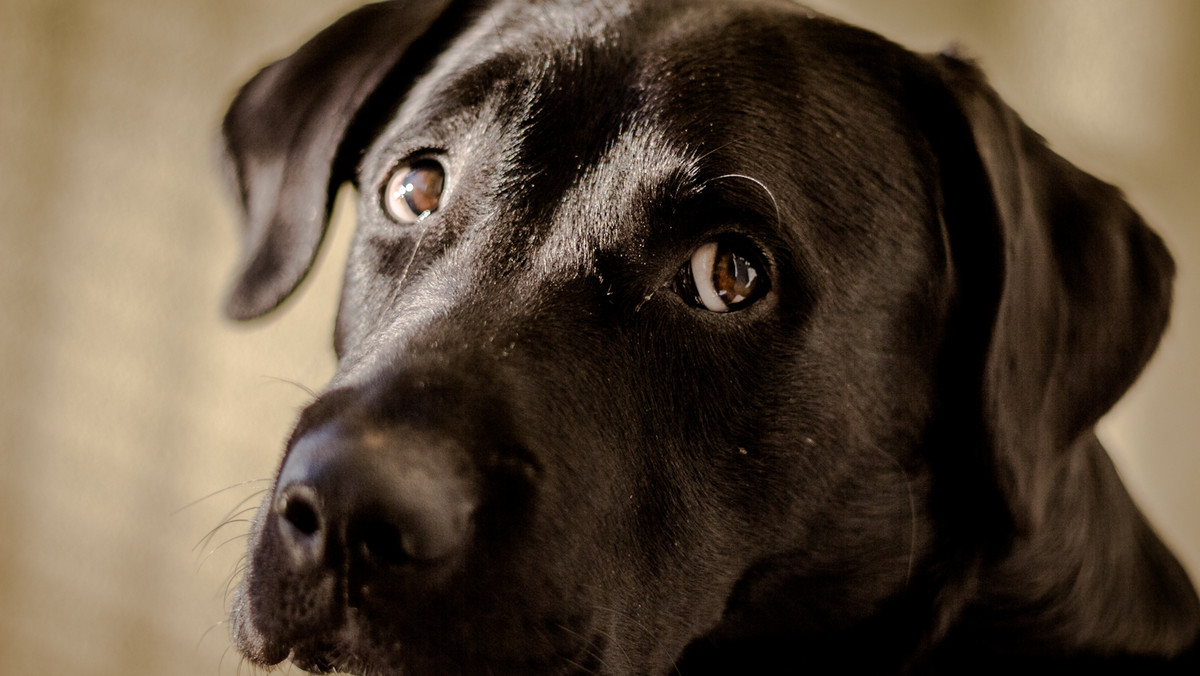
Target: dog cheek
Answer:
[[707, 480], [370, 287], [271, 603], [242, 616], [608, 505]]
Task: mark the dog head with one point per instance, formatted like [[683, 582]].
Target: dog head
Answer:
[[666, 324]]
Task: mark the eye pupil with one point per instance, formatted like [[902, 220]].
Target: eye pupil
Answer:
[[415, 191], [734, 277]]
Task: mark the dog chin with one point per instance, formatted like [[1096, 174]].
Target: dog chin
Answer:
[[247, 638], [342, 651], [352, 647]]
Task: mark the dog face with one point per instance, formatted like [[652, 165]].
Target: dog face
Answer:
[[665, 325]]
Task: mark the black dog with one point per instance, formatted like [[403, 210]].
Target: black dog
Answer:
[[693, 336]]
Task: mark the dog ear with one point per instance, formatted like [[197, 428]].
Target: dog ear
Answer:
[[286, 139], [1076, 288]]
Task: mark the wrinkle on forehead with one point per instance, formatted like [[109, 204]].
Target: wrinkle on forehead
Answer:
[[577, 106], [611, 207], [503, 39]]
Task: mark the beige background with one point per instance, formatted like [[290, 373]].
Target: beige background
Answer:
[[125, 398]]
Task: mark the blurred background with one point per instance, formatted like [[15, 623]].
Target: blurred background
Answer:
[[126, 398]]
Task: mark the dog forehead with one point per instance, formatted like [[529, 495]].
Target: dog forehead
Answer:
[[670, 49], [589, 109]]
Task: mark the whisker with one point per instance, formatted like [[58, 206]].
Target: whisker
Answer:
[[288, 381], [212, 533], [590, 650], [235, 517], [229, 518], [416, 249], [716, 149], [203, 636], [626, 617], [221, 660], [755, 181], [238, 570], [912, 517], [212, 551], [912, 530], [216, 493]]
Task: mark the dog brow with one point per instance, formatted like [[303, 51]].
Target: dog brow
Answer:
[[473, 87]]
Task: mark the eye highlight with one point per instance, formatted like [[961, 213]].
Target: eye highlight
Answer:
[[722, 276], [414, 191]]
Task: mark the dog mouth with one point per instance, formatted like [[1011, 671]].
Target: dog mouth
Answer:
[[367, 646], [350, 653], [325, 658]]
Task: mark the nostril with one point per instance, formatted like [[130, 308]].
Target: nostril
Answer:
[[414, 526], [301, 524], [299, 509], [383, 543]]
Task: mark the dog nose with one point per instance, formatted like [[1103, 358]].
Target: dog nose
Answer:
[[374, 498]]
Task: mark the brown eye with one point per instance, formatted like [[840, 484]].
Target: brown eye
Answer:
[[722, 277], [414, 191]]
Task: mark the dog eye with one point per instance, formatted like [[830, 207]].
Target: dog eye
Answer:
[[414, 191], [722, 277]]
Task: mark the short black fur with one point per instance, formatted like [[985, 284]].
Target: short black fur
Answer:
[[536, 456]]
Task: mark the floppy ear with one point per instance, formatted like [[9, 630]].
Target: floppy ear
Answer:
[[286, 139], [1079, 288]]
